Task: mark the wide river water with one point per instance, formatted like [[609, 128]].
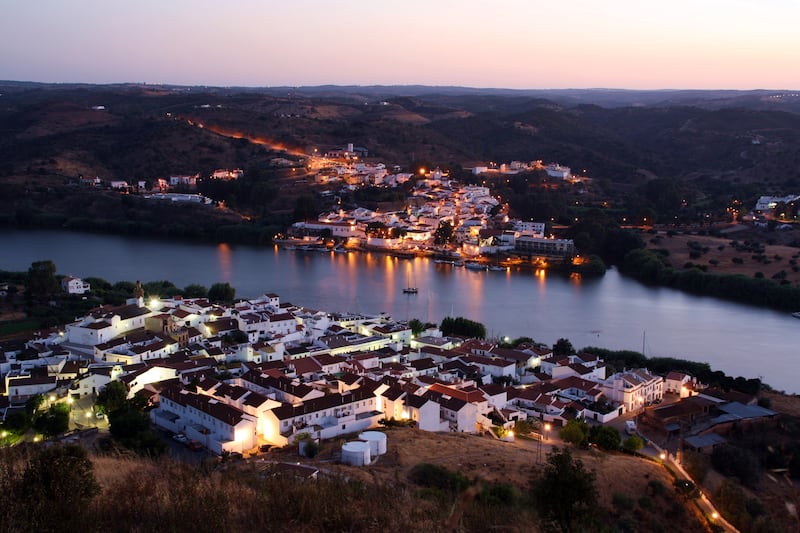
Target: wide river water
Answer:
[[613, 311]]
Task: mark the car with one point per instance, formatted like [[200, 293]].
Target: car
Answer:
[[264, 448], [195, 445], [235, 456], [180, 437]]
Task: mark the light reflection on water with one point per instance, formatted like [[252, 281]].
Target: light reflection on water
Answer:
[[612, 311]]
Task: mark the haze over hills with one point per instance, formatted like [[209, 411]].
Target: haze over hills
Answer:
[[775, 99]]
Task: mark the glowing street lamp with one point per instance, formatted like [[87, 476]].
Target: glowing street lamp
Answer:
[[546, 431]]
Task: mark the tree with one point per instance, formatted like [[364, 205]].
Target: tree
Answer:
[[236, 336], [416, 326], [53, 421], [42, 278], [221, 292], [131, 427], [445, 233], [463, 326], [59, 483], [112, 397], [305, 208], [566, 492], [633, 444], [563, 347], [731, 460], [605, 437], [33, 403], [575, 432], [195, 291]]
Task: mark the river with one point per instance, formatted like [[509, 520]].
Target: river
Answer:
[[613, 311]]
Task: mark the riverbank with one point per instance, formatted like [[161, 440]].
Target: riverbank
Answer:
[[611, 311]]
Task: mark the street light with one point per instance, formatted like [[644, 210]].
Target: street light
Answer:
[[546, 431], [662, 456]]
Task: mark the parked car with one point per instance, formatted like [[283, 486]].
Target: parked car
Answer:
[[264, 448], [180, 437], [195, 445]]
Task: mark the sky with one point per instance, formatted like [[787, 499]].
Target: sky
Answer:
[[519, 44]]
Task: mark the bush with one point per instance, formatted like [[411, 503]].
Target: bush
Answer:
[[433, 476], [523, 427], [622, 502], [633, 444], [696, 465], [731, 460], [499, 494], [606, 437], [656, 488], [575, 432]]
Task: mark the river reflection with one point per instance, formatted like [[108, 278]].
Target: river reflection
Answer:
[[613, 311]]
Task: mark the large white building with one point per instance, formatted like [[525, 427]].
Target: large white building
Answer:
[[634, 388]]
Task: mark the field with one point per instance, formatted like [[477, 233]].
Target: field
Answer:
[[719, 256]]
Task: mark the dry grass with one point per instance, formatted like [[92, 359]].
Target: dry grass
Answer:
[[679, 250], [378, 497], [783, 403]]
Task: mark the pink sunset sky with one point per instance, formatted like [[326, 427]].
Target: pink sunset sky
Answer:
[[523, 44]]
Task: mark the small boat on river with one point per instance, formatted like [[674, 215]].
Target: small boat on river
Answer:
[[472, 265]]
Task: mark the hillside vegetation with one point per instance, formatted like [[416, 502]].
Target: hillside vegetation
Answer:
[[426, 482]]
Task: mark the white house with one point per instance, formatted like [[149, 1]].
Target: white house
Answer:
[[679, 383], [105, 323], [425, 412], [72, 285], [22, 385], [324, 417], [216, 425]]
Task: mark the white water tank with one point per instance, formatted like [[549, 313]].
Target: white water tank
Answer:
[[356, 453], [376, 440]]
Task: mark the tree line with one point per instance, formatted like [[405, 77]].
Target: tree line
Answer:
[[652, 267]]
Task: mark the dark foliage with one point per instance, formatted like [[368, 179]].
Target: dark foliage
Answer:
[[463, 326], [566, 492]]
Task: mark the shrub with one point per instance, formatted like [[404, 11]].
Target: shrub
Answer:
[[633, 444], [606, 437], [499, 494], [523, 427], [656, 488], [731, 460], [696, 465], [575, 432], [622, 502], [433, 476]]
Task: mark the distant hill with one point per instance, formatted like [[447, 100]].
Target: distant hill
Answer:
[[51, 133]]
